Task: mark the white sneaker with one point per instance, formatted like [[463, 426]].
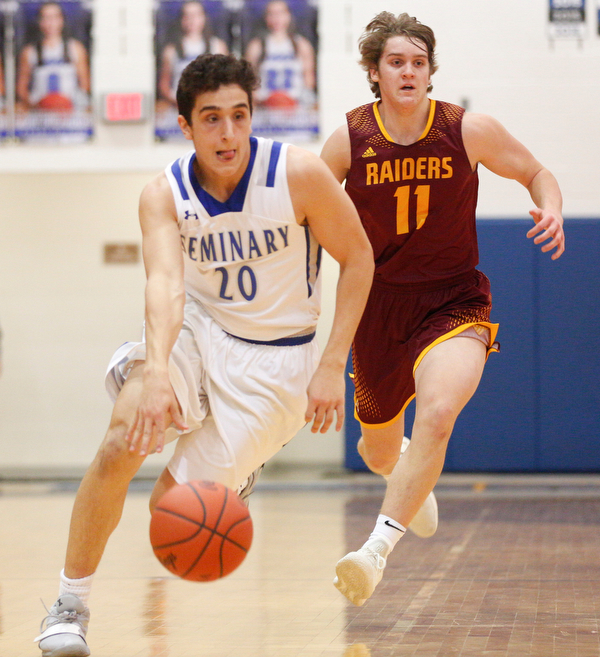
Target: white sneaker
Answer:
[[425, 523], [66, 627], [358, 573]]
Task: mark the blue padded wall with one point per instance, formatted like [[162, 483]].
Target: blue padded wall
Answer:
[[537, 408]]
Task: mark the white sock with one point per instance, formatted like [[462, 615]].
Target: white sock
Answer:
[[80, 587], [387, 532]]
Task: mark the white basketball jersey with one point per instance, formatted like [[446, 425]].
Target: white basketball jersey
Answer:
[[247, 261], [280, 70], [54, 74]]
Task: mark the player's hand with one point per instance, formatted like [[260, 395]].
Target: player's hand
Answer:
[[158, 408], [548, 226], [326, 399]]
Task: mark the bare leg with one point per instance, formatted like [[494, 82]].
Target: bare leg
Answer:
[[380, 447], [445, 381], [99, 502], [163, 484]]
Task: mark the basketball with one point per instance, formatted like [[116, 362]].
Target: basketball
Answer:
[[56, 102], [279, 99], [200, 530]]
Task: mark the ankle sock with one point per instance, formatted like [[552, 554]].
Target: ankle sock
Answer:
[[387, 530], [80, 587]]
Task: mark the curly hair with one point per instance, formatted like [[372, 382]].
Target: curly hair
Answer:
[[385, 26], [210, 72]]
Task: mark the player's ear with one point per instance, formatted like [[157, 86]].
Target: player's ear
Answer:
[[373, 74], [185, 127]]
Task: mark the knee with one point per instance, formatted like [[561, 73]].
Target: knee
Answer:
[[438, 420], [113, 456], [380, 459]]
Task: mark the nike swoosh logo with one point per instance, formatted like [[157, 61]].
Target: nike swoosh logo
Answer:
[[389, 524]]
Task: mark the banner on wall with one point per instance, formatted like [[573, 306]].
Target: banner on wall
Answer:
[[5, 132], [566, 19], [184, 30], [279, 38], [45, 71]]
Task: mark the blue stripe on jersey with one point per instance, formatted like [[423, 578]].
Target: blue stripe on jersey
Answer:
[[235, 203], [275, 152], [307, 236], [176, 171], [319, 255]]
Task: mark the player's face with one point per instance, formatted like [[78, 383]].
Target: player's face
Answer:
[[278, 16], [192, 18], [220, 129], [51, 20], [403, 71]]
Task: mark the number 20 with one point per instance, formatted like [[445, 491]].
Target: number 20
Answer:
[[247, 294], [403, 198]]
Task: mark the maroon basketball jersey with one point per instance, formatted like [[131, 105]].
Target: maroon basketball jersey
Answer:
[[417, 203]]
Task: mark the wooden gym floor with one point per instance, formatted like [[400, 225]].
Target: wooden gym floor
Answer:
[[513, 571]]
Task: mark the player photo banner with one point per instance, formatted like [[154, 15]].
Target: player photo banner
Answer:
[[5, 129], [567, 19], [279, 38], [52, 71], [185, 29]]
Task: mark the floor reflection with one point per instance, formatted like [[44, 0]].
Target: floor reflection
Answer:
[[155, 608]]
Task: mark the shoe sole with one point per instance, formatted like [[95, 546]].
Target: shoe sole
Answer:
[[353, 581], [68, 651]]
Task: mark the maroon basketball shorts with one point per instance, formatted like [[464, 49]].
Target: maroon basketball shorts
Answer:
[[399, 326]]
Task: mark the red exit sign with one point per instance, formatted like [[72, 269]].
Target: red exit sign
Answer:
[[124, 107]]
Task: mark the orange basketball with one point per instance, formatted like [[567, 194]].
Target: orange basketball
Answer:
[[200, 530], [279, 99], [55, 102]]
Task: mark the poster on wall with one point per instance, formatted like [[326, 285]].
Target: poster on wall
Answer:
[[184, 30], [4, 123], [52, 43], [566, 19], [278, 37]]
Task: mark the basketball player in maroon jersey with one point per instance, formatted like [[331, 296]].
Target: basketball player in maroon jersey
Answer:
[[410, 166]]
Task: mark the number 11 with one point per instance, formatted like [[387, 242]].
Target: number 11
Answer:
[[403, 196]]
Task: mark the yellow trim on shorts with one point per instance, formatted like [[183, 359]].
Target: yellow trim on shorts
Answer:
[[383, 425], [385, 133], [493, 328]]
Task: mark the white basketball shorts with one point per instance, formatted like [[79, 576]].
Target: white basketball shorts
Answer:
[[241, 401]]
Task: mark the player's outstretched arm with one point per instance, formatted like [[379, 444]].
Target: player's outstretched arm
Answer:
[[320, 201], [487, 141], [165, 298]]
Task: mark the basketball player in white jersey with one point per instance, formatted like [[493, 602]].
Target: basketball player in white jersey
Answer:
[[231, 236]]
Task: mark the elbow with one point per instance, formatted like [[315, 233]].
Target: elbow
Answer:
[[368, 258]]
